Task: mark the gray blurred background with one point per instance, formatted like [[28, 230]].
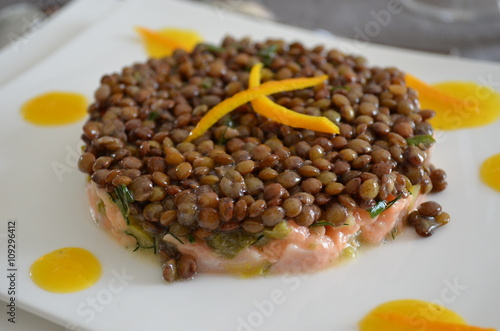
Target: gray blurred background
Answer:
[[378, 21]]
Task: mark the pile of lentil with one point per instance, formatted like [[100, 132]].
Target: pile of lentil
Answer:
[[248, 173]]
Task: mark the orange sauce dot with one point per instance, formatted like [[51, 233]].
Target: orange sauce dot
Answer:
[[66, 270], [490, 172], [163, 42], [481, 106], [414, 315], [55, 108], [458, 105]]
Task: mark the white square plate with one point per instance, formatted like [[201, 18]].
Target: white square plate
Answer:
[[458, 266]]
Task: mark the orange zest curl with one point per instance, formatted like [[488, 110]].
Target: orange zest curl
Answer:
[[253, 93], [265, 107], [427, 91]]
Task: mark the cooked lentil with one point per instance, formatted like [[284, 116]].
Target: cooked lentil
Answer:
[[428, 217]]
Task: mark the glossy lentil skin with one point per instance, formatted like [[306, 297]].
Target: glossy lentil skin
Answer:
[[427, 218], [247, 173]]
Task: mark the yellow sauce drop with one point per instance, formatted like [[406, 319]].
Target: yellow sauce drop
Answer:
[[477, 105], [66, 270], [490, 172], [160, 43], [55, 108], [413, 315]]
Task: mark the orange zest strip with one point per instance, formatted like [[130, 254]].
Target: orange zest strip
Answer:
[[267, 108], [428, 91], [157, 37], [250, 94], [401, 319]]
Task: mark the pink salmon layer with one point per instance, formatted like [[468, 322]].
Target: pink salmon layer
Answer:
[[304, 249]]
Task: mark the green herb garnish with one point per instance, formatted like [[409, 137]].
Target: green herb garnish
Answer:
[[222, 140], [207, 82], [229, 244], [137, 76], [336, 88], [213, 48], [122, 200], [422, 140], [137, 246], [155, 245], [153, 116], [268, 53], [191, 239], [143, 239], [382, 206], [394, 231], [229, 124], [177, 238], [258, 239], [321, 223], [325, 223], [378, 209], [101, 208]]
